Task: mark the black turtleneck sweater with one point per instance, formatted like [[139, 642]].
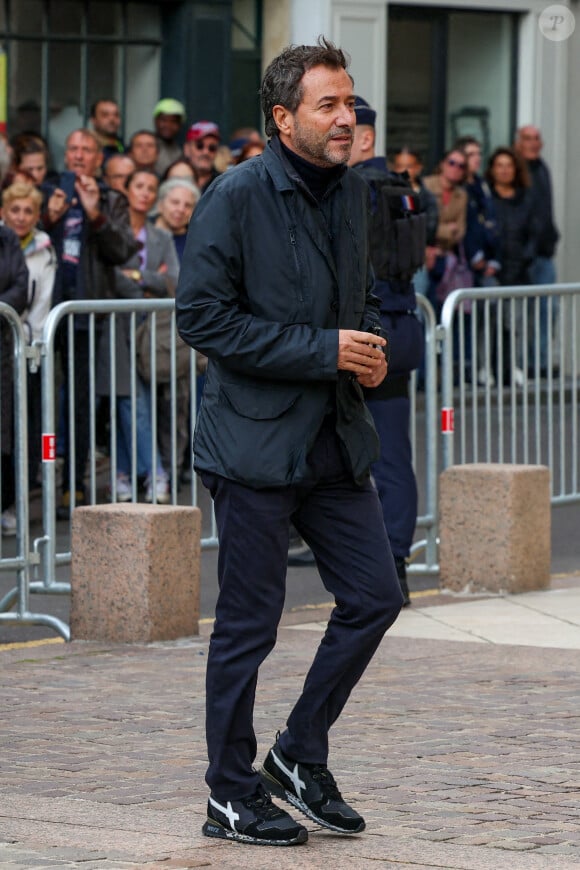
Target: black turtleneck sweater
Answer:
[[316, 178]]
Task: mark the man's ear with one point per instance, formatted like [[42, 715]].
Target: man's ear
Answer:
[[282, 119], [368, 140]]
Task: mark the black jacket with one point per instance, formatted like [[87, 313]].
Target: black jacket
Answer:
[[107, 242], [261, 295], [548, 234], [14, 292], [518, 229]]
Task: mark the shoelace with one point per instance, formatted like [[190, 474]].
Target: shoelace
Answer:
[[262, 804], [323, 776]]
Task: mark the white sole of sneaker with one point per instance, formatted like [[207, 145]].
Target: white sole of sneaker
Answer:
[[214, 829], [276, 788]]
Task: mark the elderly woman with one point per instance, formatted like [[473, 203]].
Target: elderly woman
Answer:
[[175, 204], [152, 271], [177, 200], [21, 204]]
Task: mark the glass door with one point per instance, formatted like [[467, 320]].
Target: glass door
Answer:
[[449, 73]]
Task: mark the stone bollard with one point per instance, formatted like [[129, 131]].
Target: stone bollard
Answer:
[[135, 572], [494, 528]]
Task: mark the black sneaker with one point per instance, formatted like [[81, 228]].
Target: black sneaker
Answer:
[[312, 790], [253, 820]]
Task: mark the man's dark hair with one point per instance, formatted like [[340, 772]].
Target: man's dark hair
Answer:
[[412, 153], [463, 141], [142, 133], [97, 103], [282, 82], [28, 143]]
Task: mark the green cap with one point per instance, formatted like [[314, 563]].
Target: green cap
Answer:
[[169, 106]]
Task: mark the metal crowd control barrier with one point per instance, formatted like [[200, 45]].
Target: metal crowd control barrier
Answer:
[[63, 330], [429, 470], [513, 355], [73, 323], [21, 561]]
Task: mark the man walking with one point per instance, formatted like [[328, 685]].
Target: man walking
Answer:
[[276, 289]]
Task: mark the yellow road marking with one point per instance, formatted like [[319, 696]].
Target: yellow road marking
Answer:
[[30, 643]]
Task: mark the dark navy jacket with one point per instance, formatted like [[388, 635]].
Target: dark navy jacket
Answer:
[[261, 294]]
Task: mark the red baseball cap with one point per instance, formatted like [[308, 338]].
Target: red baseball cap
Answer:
[[201, 129]]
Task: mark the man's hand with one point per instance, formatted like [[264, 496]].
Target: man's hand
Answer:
[[88, 190], [57, 205], [362, 353]]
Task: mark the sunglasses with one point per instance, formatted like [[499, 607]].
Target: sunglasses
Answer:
[[457, 163], [206, 146]]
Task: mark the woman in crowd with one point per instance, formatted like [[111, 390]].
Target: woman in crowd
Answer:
[[14, 292], [31, 155], [447, 187], [180, 168], [177, 199], [250, 149], [518, 228], [175, 204], [152, 271], [21, 204]]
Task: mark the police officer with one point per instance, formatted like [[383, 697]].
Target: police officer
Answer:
[[395, 257]]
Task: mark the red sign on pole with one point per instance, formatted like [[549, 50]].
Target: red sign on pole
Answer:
[[447, 423], [48, 448]]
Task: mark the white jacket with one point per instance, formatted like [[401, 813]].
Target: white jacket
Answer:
[[41, 262]]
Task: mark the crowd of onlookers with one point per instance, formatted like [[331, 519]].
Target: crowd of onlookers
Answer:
[[113, 224], [488, 227]]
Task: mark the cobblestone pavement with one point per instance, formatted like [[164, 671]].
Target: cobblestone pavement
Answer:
[[459, 754]]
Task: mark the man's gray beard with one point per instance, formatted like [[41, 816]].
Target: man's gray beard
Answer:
[[308, 143]]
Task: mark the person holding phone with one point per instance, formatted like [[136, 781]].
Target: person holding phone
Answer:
[[89, 227]]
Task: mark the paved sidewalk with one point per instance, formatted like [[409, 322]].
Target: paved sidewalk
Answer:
[[461, 746]]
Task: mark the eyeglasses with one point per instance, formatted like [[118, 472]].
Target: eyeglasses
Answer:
[[458, 164], [201, 145]]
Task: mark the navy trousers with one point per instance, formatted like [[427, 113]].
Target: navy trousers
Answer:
[[343, 525], [393, 472]]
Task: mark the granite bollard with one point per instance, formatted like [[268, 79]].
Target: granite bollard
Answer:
[[494, 527], [135, 572]]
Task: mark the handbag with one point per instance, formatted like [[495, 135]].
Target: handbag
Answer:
[[163, 331], [456, 276]]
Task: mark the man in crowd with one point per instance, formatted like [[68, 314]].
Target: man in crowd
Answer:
[[89, 228], [389, 402], [106, 123], [168, 118], [529, 144], [201, 145], [144, 150], [117, 170], [276, 289]]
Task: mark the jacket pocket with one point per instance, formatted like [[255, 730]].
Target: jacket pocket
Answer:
[[256, 403]]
